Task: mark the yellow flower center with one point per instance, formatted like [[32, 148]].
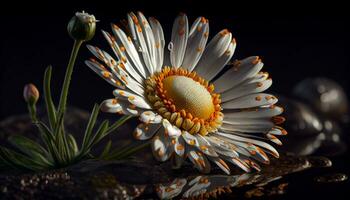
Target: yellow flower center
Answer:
[[185, 99], [189, 95]]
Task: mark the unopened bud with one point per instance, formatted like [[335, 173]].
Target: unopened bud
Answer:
[[30, 94], [82, 26]]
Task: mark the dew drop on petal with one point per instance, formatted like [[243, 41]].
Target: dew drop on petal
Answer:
[[170, 46]]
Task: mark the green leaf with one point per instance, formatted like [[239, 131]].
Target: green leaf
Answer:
[[50, 107], [20, 161], [118, 123], [107, 149], [126, 151], [86, 149], [60, 140], [73, 144], [30, 147], [103, 131], [26, 145], [100, 133], [49, 141], [90, 126], [133, 150]]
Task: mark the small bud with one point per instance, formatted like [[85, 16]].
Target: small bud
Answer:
[[30, 94], [82, 26]]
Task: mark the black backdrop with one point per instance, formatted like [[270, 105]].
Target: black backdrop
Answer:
[[296, 41]]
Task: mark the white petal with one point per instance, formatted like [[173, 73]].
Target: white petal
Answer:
[[122, 64], [144, 51], [150, 40], [221, 163], [159, 42], [161, 146], [150, 117], [171, 130], [249, 101], [255, 113], [132, 98], [145, 131], [256, 128], [170, 191], [246, 68], [274, 139], [123, 94], [111, 106], [189, 138], [222, 147], [265, 145], [116, 78], [129, 56], [179, 37], [240, 163], [205, 146], [259, 77], [242, 90], [179, 146], [197, 40], [198, 187], [277, 131], [145, 39], [255, 152], [253, 164], [131, 21], [196, 24], [118, 106], [216, 49], [199, 161], [105, 74], [220, 62], [195, 180], [103, 56], [249, 121]]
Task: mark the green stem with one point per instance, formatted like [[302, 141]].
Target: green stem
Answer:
[[99, 136], [62, 141], [32, 112], [67, 78], [130, 151], [50, 107], [118, 123]]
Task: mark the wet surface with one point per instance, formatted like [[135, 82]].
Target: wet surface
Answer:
[[319, 161], [331, 178], [324, 95], [134, 179], [116, 179], [290, 177], [312, 133]]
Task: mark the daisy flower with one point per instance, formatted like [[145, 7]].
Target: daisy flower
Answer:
[[187, 104]]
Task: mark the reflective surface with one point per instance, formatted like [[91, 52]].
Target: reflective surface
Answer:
[[301, 171], [324, 95]]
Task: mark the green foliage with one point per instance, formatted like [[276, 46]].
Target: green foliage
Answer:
[[60, 149]]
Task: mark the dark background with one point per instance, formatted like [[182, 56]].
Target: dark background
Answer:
[[296, 41]]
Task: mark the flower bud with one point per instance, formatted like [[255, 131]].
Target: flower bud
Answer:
[[82, 26], [30, 94]]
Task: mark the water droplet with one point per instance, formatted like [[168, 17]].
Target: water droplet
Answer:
[[332, 178], [319, 161], [170, 46]]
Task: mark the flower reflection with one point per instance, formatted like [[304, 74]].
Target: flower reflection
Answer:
[[202, 187], [171, 190]]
